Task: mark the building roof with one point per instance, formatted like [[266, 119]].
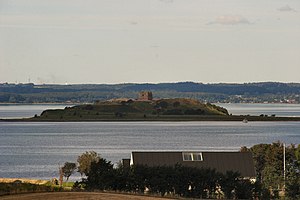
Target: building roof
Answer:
[[241, 162]]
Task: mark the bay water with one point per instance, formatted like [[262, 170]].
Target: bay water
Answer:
[[37, 149]]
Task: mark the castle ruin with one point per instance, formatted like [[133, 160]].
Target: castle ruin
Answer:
[[145, 96]]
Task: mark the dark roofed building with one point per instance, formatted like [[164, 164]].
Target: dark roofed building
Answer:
[[241, 162]]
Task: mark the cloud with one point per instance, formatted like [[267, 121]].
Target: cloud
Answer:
[[230, 20], [286, 8]]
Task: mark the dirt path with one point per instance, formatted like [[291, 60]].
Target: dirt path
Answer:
[[77, 196]]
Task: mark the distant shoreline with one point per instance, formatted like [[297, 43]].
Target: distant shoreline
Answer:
[[166, 119], [263, 92], [40, 103], [81, 103]]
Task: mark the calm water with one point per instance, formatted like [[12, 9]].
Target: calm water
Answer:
[[20, 110], [286, 110], [35, 150]]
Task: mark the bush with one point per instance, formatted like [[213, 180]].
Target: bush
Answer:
[[162, 180], [173, 112], [19, 187]]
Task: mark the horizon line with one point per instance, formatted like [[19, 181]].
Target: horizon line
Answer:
[[141, 83]]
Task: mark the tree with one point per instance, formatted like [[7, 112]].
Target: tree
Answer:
[[162, 104], [85, 161], [176, 104], [229, 183], [293, 182], [293, 175], [68, 169], [101, 175], [268, 159]]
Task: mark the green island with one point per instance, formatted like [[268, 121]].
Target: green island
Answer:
[[145, 108]]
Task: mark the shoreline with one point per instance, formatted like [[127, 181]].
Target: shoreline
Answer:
[[82, 103], [23, 104], [240, 118]]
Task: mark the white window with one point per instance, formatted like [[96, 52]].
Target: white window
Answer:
[[187, 157], [192, 156], [197, 157]]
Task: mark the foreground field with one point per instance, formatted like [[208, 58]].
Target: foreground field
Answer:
[[77, 196], [23, 180]]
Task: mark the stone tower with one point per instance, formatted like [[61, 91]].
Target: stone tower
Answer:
[[145, 96]]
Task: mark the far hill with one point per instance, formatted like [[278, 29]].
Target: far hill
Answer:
[[122, 109], [178, 109], [271, 92]]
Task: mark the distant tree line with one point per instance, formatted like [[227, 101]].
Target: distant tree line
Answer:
[[250, 92]]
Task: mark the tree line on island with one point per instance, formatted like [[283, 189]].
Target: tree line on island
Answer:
[[179, 181]]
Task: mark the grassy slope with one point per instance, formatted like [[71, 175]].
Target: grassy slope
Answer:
[[159, 110], [162, 109], [21, 185]]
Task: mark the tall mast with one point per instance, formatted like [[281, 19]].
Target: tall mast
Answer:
[[283, 166]]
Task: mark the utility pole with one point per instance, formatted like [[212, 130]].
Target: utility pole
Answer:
[[60, 176], [284, 168]]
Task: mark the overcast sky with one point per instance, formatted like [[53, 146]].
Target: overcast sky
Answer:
[[117, 41]]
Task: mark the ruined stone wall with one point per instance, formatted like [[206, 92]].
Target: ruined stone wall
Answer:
[[145, 96]]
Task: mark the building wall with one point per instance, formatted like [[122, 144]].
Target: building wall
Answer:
[[221, 161], [145, 96]]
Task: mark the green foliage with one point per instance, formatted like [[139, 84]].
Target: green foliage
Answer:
[[293, 183], [101, 175], [163, 104], [297, 154], [218, 108], [201, 183], [293, 176], [85, 161], [18, 187], [176, 104], [268, 159], [116, 110], [165, 180], [78, 186], [194, 112], [68, 169], [230, 183], [173, 112], [250, 92], [68, 184]]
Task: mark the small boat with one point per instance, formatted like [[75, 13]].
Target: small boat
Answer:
[[245, 120]]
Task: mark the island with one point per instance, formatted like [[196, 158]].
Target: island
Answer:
[[146, 108]]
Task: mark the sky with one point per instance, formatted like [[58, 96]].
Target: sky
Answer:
[[149, 41]]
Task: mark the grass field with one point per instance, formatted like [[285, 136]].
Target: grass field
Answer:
[[23, 180], [30, 189], [13, 186]]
